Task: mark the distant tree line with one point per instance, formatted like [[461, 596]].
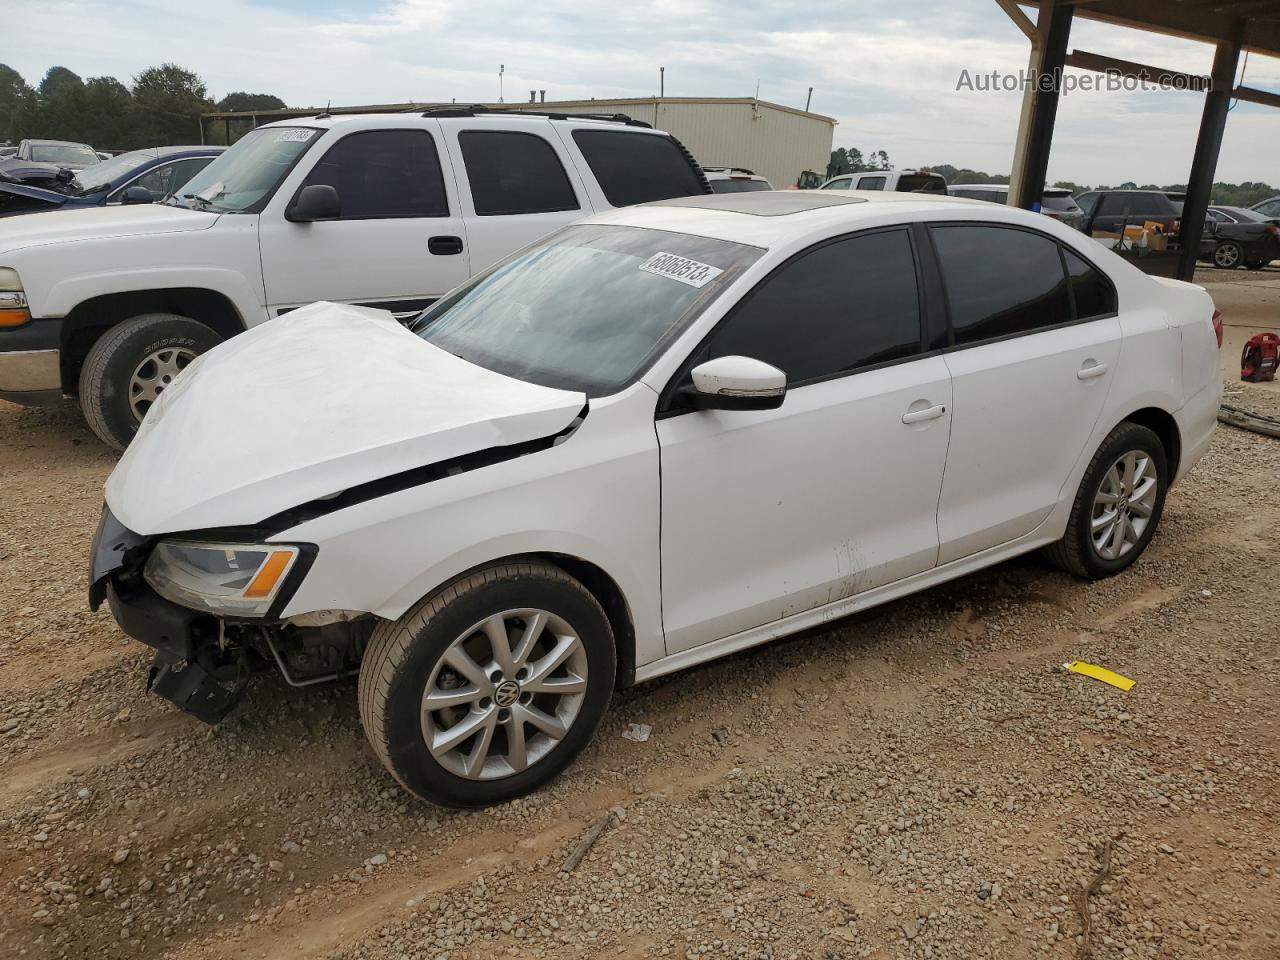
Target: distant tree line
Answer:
[[161, 107], [1228, 194], [850, 160]]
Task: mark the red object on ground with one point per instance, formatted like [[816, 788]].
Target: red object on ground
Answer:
[[1260, 358], [1217, 326]]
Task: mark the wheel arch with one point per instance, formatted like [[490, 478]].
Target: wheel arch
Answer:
[[603, 587], [89, 320], [1163, 425]]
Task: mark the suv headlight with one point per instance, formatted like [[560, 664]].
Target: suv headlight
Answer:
[[229, 579], [14, 311]]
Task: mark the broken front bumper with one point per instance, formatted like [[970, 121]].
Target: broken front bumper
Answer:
[[187, 671]]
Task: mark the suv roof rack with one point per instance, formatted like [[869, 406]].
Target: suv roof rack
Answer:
[[479, 109]]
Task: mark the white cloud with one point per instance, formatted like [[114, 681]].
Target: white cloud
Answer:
[[891, 82]]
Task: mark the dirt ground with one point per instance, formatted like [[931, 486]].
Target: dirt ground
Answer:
[[920, 781]]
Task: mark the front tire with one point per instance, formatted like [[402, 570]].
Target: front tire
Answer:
[[130, 365], [490, 687], [1117, 507]]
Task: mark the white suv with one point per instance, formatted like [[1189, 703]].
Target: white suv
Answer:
[[386, 210], [658, 437], [901, 181]]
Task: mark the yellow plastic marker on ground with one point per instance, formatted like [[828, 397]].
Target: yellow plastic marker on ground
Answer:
[[1099, 673]]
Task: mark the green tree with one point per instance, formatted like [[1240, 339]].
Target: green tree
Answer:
[[108, 114], [12, 91], [237, 102], [167, 103], [57, 80]]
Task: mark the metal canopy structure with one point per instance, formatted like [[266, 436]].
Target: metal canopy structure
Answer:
[[1232, 26]]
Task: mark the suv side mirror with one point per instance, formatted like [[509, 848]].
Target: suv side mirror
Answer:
[[737, 383], [317, 201], [137, 195]]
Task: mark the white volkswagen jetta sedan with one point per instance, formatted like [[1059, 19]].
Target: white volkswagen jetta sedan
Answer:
[[652, 439]]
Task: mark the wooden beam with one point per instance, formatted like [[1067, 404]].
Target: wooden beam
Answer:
[[1020, 20], [1176, 79], [1252, 95]]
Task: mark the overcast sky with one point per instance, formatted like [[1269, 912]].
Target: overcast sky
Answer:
[[890, 82]]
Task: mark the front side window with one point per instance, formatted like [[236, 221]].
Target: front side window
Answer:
[[1087, 201], [836, 308], [844, 183], [513, 172], [872, 183], [588, 308], [169, 178], [633, 167], [379, 174], [244, 177], [1000, 281]]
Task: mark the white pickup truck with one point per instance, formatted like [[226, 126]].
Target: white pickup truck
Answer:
[[383, 210]]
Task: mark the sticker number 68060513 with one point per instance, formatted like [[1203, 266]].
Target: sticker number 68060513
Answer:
[[683, 269]]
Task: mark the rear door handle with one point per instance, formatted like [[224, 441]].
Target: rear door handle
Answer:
[[444, 246], [1091, 370], [928, 413]]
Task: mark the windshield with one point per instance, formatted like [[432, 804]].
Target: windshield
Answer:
[[67, 154], [588, 308], [242, 179], [94, 178], [739, 185]]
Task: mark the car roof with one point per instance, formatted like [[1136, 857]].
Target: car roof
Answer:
[[411, 118], [57, 143], [775, 218]]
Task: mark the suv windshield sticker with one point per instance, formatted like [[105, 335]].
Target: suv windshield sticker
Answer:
[[683, 269], [295, 135]]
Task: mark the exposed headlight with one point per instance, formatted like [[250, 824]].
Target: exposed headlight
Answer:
[[224, 578], [13, 301]]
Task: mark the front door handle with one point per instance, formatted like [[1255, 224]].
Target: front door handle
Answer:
[[1090, 370], [928, 413], [444, 246]]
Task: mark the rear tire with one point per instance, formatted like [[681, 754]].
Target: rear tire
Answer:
[[523, 730], [1110, 507], [130, 365], [1228, 255]]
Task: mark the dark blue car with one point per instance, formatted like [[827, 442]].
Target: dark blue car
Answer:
[[139, 176]]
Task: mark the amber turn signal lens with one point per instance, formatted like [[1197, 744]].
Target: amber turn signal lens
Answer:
[[14, 316], [264, 581]]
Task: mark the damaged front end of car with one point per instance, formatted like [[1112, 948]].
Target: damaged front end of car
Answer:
[[232, 586]]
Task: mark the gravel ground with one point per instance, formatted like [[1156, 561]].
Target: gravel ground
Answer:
[[919, 781]]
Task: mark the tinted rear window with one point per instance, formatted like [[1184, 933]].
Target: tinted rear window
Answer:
[[512, 172], [738, 186], [638, 167], [925, 184], [1061, 204], [1138, 204]]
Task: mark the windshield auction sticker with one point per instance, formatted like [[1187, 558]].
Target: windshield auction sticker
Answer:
[[295, 135], [688, 271]]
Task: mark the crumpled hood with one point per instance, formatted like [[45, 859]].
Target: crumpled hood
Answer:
[[51, 197], [308, 405], [96, 223]]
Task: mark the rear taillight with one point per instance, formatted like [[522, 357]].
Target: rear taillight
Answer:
[[1217, 326], [1273, 230]]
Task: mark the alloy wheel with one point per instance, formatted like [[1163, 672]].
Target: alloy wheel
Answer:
[[1123, 505], [1227, 256], [153, 374], [504, 694]]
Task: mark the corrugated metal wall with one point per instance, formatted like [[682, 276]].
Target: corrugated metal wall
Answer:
[[775, 143]]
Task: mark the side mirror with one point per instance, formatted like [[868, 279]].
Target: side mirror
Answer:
[[64, 175], [737, 383], [318, 201], [137, 195]]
